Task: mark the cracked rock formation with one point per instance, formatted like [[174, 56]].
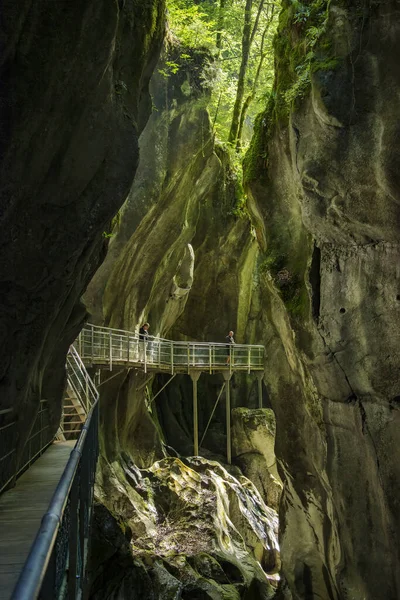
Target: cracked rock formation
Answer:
[[182, 529], [324, 192]]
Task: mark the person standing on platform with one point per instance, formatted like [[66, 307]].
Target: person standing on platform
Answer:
[[229, 340], [143, 338]]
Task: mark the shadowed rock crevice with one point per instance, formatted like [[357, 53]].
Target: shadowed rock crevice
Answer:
[[74, 98]]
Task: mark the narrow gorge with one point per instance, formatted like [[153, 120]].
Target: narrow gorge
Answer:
[[208, 166]]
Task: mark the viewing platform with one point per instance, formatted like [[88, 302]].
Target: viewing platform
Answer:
[[105, 347]]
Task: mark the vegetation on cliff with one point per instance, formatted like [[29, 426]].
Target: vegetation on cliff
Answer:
[[239, 36]]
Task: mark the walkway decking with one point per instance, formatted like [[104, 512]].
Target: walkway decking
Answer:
[[21, 511]]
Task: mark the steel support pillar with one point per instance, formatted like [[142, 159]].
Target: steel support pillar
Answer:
[[227, 376], [195, 377], [260, 376]]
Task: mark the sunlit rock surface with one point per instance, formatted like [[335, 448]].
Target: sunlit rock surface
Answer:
[[180, 258], [183, 529], [324, 194], [253, 450]]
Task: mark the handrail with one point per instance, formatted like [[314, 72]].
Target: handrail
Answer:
[[33, 573], [80, 381], [40, 437], [150, 338], [53, 563], [107, 346]]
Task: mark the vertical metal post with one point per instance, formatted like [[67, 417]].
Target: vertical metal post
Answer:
[[145, 355], [249, 360], [87, 394], [188, 357], [110, 335], [195, 377], [260, 375], [92, 343], [73, 541], [172, 358], [210, 357], [227, 377], [41, 425], [127, 354]]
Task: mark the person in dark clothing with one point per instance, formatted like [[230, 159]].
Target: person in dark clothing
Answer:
[[230, 340], [144, 332], [143, 337]]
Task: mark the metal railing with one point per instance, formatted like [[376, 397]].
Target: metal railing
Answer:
[[39, 438], [106, 346], [81, 387], [56, 565], [80, 381]]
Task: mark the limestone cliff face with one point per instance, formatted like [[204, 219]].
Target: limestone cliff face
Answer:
[[73, 99], [182, 529], [324, 195], [181, 258]]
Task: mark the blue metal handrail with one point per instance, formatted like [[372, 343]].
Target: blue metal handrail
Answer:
[[45, 572]]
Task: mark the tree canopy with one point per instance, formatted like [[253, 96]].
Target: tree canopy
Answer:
[[238, 34]]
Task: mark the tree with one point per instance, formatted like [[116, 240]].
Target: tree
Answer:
[[238, 35], [251, 96], [246, 43]]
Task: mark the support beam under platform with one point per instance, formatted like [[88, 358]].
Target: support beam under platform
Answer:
[[227, 376], [195, 375]]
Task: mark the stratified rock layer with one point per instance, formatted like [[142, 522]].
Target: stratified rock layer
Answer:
[[73, 101], [324, 195]]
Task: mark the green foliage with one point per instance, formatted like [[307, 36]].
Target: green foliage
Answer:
[[302, 49], [171, 68], [114, 226], [196, 25], [192, 24]]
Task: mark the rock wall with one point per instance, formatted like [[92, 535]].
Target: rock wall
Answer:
[[182, 257], [74, 98], [322, 177], [182, 529], [180, 242]]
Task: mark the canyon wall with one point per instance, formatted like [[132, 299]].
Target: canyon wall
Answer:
[[74, 98], [182, 255], [324, 192]]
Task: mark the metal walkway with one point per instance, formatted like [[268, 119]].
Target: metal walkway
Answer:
[[45, 519], [22, 509], [107, 348]]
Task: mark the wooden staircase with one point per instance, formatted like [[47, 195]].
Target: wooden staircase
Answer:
[[73, 417]]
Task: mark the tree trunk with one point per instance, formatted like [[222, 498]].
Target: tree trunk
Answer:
[[218, 42], [242, 72], [250, 97]]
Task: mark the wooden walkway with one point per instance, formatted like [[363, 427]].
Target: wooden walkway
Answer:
[[22, 509]]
